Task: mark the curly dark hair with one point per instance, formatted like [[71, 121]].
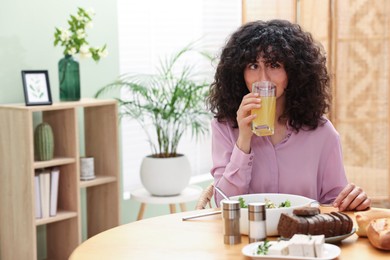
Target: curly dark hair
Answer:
[[307, 93]]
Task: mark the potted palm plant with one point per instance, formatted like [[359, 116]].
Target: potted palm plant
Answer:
[[166, 105]]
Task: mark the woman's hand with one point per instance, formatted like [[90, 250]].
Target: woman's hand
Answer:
[[244, 119], [352, 197]]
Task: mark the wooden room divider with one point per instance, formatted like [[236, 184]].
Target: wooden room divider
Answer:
[[356, 37]]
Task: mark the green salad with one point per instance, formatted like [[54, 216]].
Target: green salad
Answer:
[[268, 204]]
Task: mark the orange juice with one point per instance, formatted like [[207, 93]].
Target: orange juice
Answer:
[[264, 123]]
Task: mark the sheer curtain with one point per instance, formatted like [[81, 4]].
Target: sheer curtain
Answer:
[[151, 29]]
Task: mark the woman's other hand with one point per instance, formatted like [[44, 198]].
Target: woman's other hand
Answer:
[[244, 119], [352, 197]]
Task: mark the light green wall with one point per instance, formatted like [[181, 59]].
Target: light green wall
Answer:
[[26, 43]]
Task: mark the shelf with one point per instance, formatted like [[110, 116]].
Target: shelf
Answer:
[[90, 125], [84, 102], [55, 162], [99, 180], [61, 215]]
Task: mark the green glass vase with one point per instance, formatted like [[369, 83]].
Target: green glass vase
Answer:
[[69, 76]]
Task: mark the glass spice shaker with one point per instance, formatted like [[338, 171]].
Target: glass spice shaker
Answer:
[[256, 219], [231, 222]]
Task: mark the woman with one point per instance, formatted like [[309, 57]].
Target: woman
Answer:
[[304, 155]]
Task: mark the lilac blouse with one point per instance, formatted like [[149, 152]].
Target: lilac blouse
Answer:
[[307, 163]]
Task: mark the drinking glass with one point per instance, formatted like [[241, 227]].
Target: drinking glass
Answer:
[[264, 123]]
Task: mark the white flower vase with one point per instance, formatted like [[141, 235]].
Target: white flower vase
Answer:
[[165, 176]]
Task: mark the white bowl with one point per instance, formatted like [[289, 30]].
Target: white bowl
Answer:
[[272, 215]]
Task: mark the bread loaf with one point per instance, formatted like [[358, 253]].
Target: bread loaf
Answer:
[[363, 219], [329, 225], [306, 211], [378, 233], [346, 222]]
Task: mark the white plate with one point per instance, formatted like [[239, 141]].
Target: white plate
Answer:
[[333, 240], [337, 239], [330, 252]]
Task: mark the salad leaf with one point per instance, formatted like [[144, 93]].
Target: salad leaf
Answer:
[[268, 204], [285, 204], [242, 203]]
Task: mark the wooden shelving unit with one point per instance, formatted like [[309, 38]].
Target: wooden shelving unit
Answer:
[[17, 167]]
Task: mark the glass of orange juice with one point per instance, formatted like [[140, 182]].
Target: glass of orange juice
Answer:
[[264, 123]]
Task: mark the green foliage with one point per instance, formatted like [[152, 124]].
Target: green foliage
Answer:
[[171, 100], [74, 39]]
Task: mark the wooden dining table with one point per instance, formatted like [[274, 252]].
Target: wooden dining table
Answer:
[[169, 237]]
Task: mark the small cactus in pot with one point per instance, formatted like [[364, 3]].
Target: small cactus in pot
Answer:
[[43, 142]]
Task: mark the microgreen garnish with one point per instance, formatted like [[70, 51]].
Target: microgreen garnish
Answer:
[[262, 249]]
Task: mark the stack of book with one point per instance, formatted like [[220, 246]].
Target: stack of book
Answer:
[[46, 192]]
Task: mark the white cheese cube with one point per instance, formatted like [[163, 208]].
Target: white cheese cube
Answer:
[[280, 248], [319, 241], [295, 247], [302, 245], [308, 248]]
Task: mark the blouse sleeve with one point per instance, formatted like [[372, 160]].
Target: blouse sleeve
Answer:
[[333, 178], [231, 167]]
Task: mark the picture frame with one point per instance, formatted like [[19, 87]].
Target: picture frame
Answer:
[[36, 87]]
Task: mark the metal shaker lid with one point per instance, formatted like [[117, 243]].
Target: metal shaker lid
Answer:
[[256, 207], [230, 204]]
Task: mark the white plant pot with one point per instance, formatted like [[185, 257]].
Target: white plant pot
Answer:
[[165, 176]]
